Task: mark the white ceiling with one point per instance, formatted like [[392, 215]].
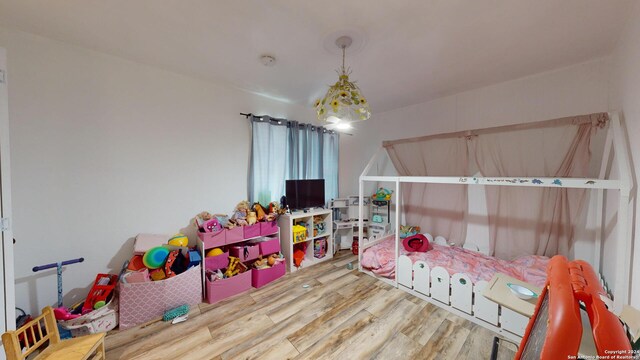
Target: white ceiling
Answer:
[[413, 50]]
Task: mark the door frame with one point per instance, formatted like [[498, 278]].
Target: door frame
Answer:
[[6, 260]]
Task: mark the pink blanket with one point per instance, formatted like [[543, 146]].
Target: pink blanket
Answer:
[[380, 259]]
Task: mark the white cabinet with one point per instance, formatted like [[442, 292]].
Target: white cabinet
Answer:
[[317, 245]]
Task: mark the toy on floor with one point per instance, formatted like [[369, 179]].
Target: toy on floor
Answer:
[[102, 288], [175, 312], [355, 244], [179, 240], [59, 266], [155, 257]]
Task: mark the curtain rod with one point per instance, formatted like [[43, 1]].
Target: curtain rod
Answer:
[[279, 121]]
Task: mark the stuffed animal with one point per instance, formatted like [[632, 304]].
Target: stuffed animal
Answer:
[[260, 213], [260, 263], [274, 211], [223, 220], [240, 213], [271, 260], [205, 216], [252, 218]]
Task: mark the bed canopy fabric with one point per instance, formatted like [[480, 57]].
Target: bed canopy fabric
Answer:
[[522, 221]]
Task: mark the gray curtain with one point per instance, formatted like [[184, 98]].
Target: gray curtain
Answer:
[[285, 149]]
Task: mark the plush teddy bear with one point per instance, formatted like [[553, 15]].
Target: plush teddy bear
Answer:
[[252, 218]]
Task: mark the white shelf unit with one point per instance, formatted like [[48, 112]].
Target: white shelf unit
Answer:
[[345, 220], [286, 223]]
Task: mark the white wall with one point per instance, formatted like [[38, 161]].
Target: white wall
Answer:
[[625, 96], [103, 149]]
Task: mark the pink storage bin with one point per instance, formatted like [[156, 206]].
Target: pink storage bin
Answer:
[[262, 277], [268, 228], [212, 239], [252, 252], [143, 302], [251, 231], [224, 288], [216, 262], [271, 246], [234, 235]]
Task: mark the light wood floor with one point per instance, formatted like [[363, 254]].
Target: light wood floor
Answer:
[[342, 314]]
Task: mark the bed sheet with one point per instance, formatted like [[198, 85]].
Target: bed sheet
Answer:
[[380, 259]]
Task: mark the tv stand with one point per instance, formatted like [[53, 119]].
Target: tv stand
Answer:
[[312, 239]]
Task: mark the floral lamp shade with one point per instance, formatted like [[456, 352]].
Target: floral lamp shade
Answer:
[[344, 102]]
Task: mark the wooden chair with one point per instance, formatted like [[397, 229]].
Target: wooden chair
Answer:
[[42, 334]]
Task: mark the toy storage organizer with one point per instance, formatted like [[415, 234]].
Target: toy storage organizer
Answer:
[[307, 237], [146, 301], [246, 243]]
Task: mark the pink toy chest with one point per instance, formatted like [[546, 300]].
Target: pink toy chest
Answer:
[[268, 228], [224, 288], [251, 231], [252, 252], [213, 239], [217, 262], [271, 246], [262, 277], [143, 302]]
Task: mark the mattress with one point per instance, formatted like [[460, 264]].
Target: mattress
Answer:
[[380, 259]]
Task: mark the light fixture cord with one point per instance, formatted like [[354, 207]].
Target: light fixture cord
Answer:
[[343, 50]]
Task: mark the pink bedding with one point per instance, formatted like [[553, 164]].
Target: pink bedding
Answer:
[[380, 259]]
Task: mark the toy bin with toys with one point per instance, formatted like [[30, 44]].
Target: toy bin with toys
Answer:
[[216, 259], [251, 231], [100, 320], [245, 252], [262, 277], [268, 228], [222, 288], [235, 235], [269, 246], [146, 301], [166, 276], [213, 239]]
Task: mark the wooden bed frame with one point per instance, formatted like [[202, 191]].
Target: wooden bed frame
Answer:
[[457, 293]]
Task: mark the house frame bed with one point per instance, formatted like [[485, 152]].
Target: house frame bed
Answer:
[[457, 293]]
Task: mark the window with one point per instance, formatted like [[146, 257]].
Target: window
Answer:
[[283, 150]]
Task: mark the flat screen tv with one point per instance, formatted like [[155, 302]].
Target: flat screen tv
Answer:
[[305, 194]]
